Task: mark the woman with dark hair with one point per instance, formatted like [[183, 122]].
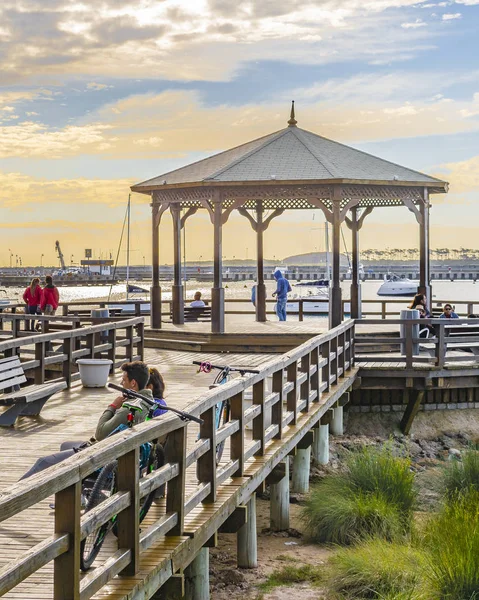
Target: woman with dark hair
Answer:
[[33, 298], [420, 299], [50, 298], [156, 384]]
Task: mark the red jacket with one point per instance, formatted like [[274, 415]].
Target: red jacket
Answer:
[[33, 299], [50, 296]]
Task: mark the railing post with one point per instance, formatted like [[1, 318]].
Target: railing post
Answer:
[[65, 310], [90, 344], [277, 409], [130, 348], [333, 369], [207, 462], [409, 344], [291, 403], [128, 519], [67, 363], [441, 345], [326, 370], [140, 347], [383, 309], [341, 357], [39, 376], [112, 351], [259, 421], [305, 386], [237, 439], [175, 453], [315, 376], [300, 308], [66, 567]]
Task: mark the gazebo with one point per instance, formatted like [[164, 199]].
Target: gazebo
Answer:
[[290, 169]]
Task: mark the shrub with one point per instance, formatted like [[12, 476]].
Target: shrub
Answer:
[[339, 514], [374, 469], [459, 476], [452, 541], [379, 569]]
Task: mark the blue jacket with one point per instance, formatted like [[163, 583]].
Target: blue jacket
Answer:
[[282, 286]]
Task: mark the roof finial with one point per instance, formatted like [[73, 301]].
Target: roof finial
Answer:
[[292, 121]]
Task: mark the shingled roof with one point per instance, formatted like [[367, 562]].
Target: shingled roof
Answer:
[[289, 155]]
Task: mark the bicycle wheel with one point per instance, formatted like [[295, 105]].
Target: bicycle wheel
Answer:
[[103, 488], [155, 461], [222, 418]]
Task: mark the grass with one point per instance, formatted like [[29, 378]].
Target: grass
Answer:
[[375, 496], [460, 476], [379, 569], [290, 574], [452, 541]]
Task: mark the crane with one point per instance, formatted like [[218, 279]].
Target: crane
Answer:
[[60, 255]]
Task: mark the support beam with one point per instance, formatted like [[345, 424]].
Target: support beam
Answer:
[[279, 501], [236, 520], [177, 288], [197, 577], [424, 272], [247, 544], [336, 426], [412, 408], [301, 470], [335, 306], [260, 288], [355, 282], [218, 292], [172, 589], [155, 291], [321, 444]]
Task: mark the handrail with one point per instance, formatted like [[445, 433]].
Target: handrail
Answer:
[[311, 370]]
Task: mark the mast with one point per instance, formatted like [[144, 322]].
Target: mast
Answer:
[[128, 247]]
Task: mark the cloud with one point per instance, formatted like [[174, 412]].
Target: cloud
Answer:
[[98, 86], [450, 17], [463, 176], [417, 23]]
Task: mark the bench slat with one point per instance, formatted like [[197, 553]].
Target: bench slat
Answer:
[[34, 392], [11, 382], [9, 363], [11, 373]]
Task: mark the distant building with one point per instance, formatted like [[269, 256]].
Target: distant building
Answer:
[[97, 266]]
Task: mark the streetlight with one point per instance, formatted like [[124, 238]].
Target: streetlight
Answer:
[[144, 264], [11, 254], [16, 261], [71, 260], [41, 260]]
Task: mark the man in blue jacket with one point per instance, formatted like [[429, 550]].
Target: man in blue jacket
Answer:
[[281, 293]]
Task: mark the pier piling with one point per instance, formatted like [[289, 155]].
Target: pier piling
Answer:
[[247, 546], [197, 577], [279, 502]]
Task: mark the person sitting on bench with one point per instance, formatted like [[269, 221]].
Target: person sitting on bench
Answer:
[[197, 302], [135, 377]]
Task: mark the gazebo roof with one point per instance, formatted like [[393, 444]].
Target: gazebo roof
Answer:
[[291, 155]]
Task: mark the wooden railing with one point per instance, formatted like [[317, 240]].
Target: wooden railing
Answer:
[[301, 391], [382, 307], [461, 335], [56, 352]]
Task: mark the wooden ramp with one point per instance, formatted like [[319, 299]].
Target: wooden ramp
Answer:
[[289, 396]]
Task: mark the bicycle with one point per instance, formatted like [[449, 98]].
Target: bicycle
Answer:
[[102, 484], [223, 408]]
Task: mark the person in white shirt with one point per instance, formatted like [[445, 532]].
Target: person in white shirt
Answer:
[[197, 302]]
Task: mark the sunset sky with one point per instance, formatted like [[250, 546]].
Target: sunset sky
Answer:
[[98, 95]]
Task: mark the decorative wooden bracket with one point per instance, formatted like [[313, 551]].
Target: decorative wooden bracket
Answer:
[[266, 222], [351, 204], [209, 208], [159, 210], [226, 213], [414, 209], [367, 211], [188, 213], [318, 204]]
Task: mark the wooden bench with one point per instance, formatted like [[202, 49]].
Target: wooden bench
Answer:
[[196, 313], [27, 401]]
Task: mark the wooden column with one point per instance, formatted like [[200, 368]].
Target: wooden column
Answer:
[[247, 545], [218, 292], [197, 579], [335, 308], [155, 291], [424, 275], [177, 287], [261, 288], [279, 501], [355, 283]]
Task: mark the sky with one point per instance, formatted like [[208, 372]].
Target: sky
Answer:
[[98, 95]]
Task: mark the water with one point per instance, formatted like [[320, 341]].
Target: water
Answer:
[[444, 291]]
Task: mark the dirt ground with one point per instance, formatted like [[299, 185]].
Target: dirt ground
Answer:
[[275, 550]]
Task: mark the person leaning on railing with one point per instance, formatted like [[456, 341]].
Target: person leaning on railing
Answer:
[[448, 313]]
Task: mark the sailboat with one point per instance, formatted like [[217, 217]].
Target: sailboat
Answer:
[[315, 294], [133, 292]]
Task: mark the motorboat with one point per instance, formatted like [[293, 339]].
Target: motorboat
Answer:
[[134, 292], [395, 285], [315, 302]]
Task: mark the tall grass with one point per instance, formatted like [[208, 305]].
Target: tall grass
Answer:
[[452, 541], [379, 569], [374, 496], [459, 476]]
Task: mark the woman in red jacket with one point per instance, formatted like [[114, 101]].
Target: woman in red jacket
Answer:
[[33, 298], [50, 297]]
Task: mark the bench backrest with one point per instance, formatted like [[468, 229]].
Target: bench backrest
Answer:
[[11, 372], [194, 313]]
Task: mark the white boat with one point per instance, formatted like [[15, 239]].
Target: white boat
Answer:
[[395, 285], [315, 302]]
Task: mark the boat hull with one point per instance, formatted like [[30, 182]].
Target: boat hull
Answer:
[[313, 307]]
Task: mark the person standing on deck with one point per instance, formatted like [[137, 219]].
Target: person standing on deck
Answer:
[[281, 293], [50, 298], [33, 298]]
